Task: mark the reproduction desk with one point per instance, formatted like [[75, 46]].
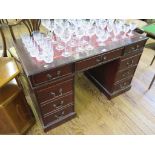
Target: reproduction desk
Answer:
[[52, 85]]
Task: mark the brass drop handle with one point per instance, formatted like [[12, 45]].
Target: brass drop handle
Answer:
[[58, 73], [50, 77], [104, 58], [126, 73], [58, 105], [135, 48], [60, 93], [98, 60], [60, 115], [130, 63], [123, 84]]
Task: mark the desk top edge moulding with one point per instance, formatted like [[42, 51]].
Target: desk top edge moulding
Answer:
[[110, 67]]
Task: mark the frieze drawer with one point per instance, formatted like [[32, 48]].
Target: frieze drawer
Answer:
[[52, 74], [54, 91], [102, 58]]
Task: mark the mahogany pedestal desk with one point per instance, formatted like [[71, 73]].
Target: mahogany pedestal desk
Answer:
[[52, 85]]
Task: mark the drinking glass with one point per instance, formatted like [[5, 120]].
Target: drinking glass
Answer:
[[65, 37], [33, 49], [102, 36], [91, 32], [116, 31], [125, 30], [132, 27], [109, 29], [58, 29], [79, 34], [72, 28], [48, 51], [102, 23]]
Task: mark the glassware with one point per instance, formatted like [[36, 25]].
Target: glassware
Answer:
[[65, 37], [132, 27], [125, 30], [72, 28], [79, 34], [91, 32], [103, 23], [116, 31], [58, 31], [102, 36], [48, 51]]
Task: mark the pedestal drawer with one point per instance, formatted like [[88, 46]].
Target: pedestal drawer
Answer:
[[58, 116], [125, 74], [130, 62], [52, 74], [122, 85], [55, 105], [54, 91]]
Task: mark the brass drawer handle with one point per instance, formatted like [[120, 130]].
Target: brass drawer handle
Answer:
[[129, 63], [60, 115], [60, 93], [50, 77], [126, 73], [58, 105], [123, 84], [135, 48], [98, 60], [104, 58]]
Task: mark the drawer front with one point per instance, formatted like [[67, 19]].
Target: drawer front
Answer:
[[52, 74], [55, 105], [54, 91], [125, 74], [84, 64], [90, 62], [134, 48], [58, 116], [122, 85], [127, 63]]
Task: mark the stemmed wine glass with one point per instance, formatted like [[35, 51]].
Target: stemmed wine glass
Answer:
[[79, 34], [125, 30], [58, 30], [91, 32], [102, 36], [132, 27], [72, 28], [65, 37]]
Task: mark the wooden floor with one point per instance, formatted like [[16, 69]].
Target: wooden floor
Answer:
[[130, 113]]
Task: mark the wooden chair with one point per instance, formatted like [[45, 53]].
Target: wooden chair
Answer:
[[150, 31], [31, 25], [16, 116]]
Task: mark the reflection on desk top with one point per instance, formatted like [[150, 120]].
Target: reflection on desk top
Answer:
[[32, 66]]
